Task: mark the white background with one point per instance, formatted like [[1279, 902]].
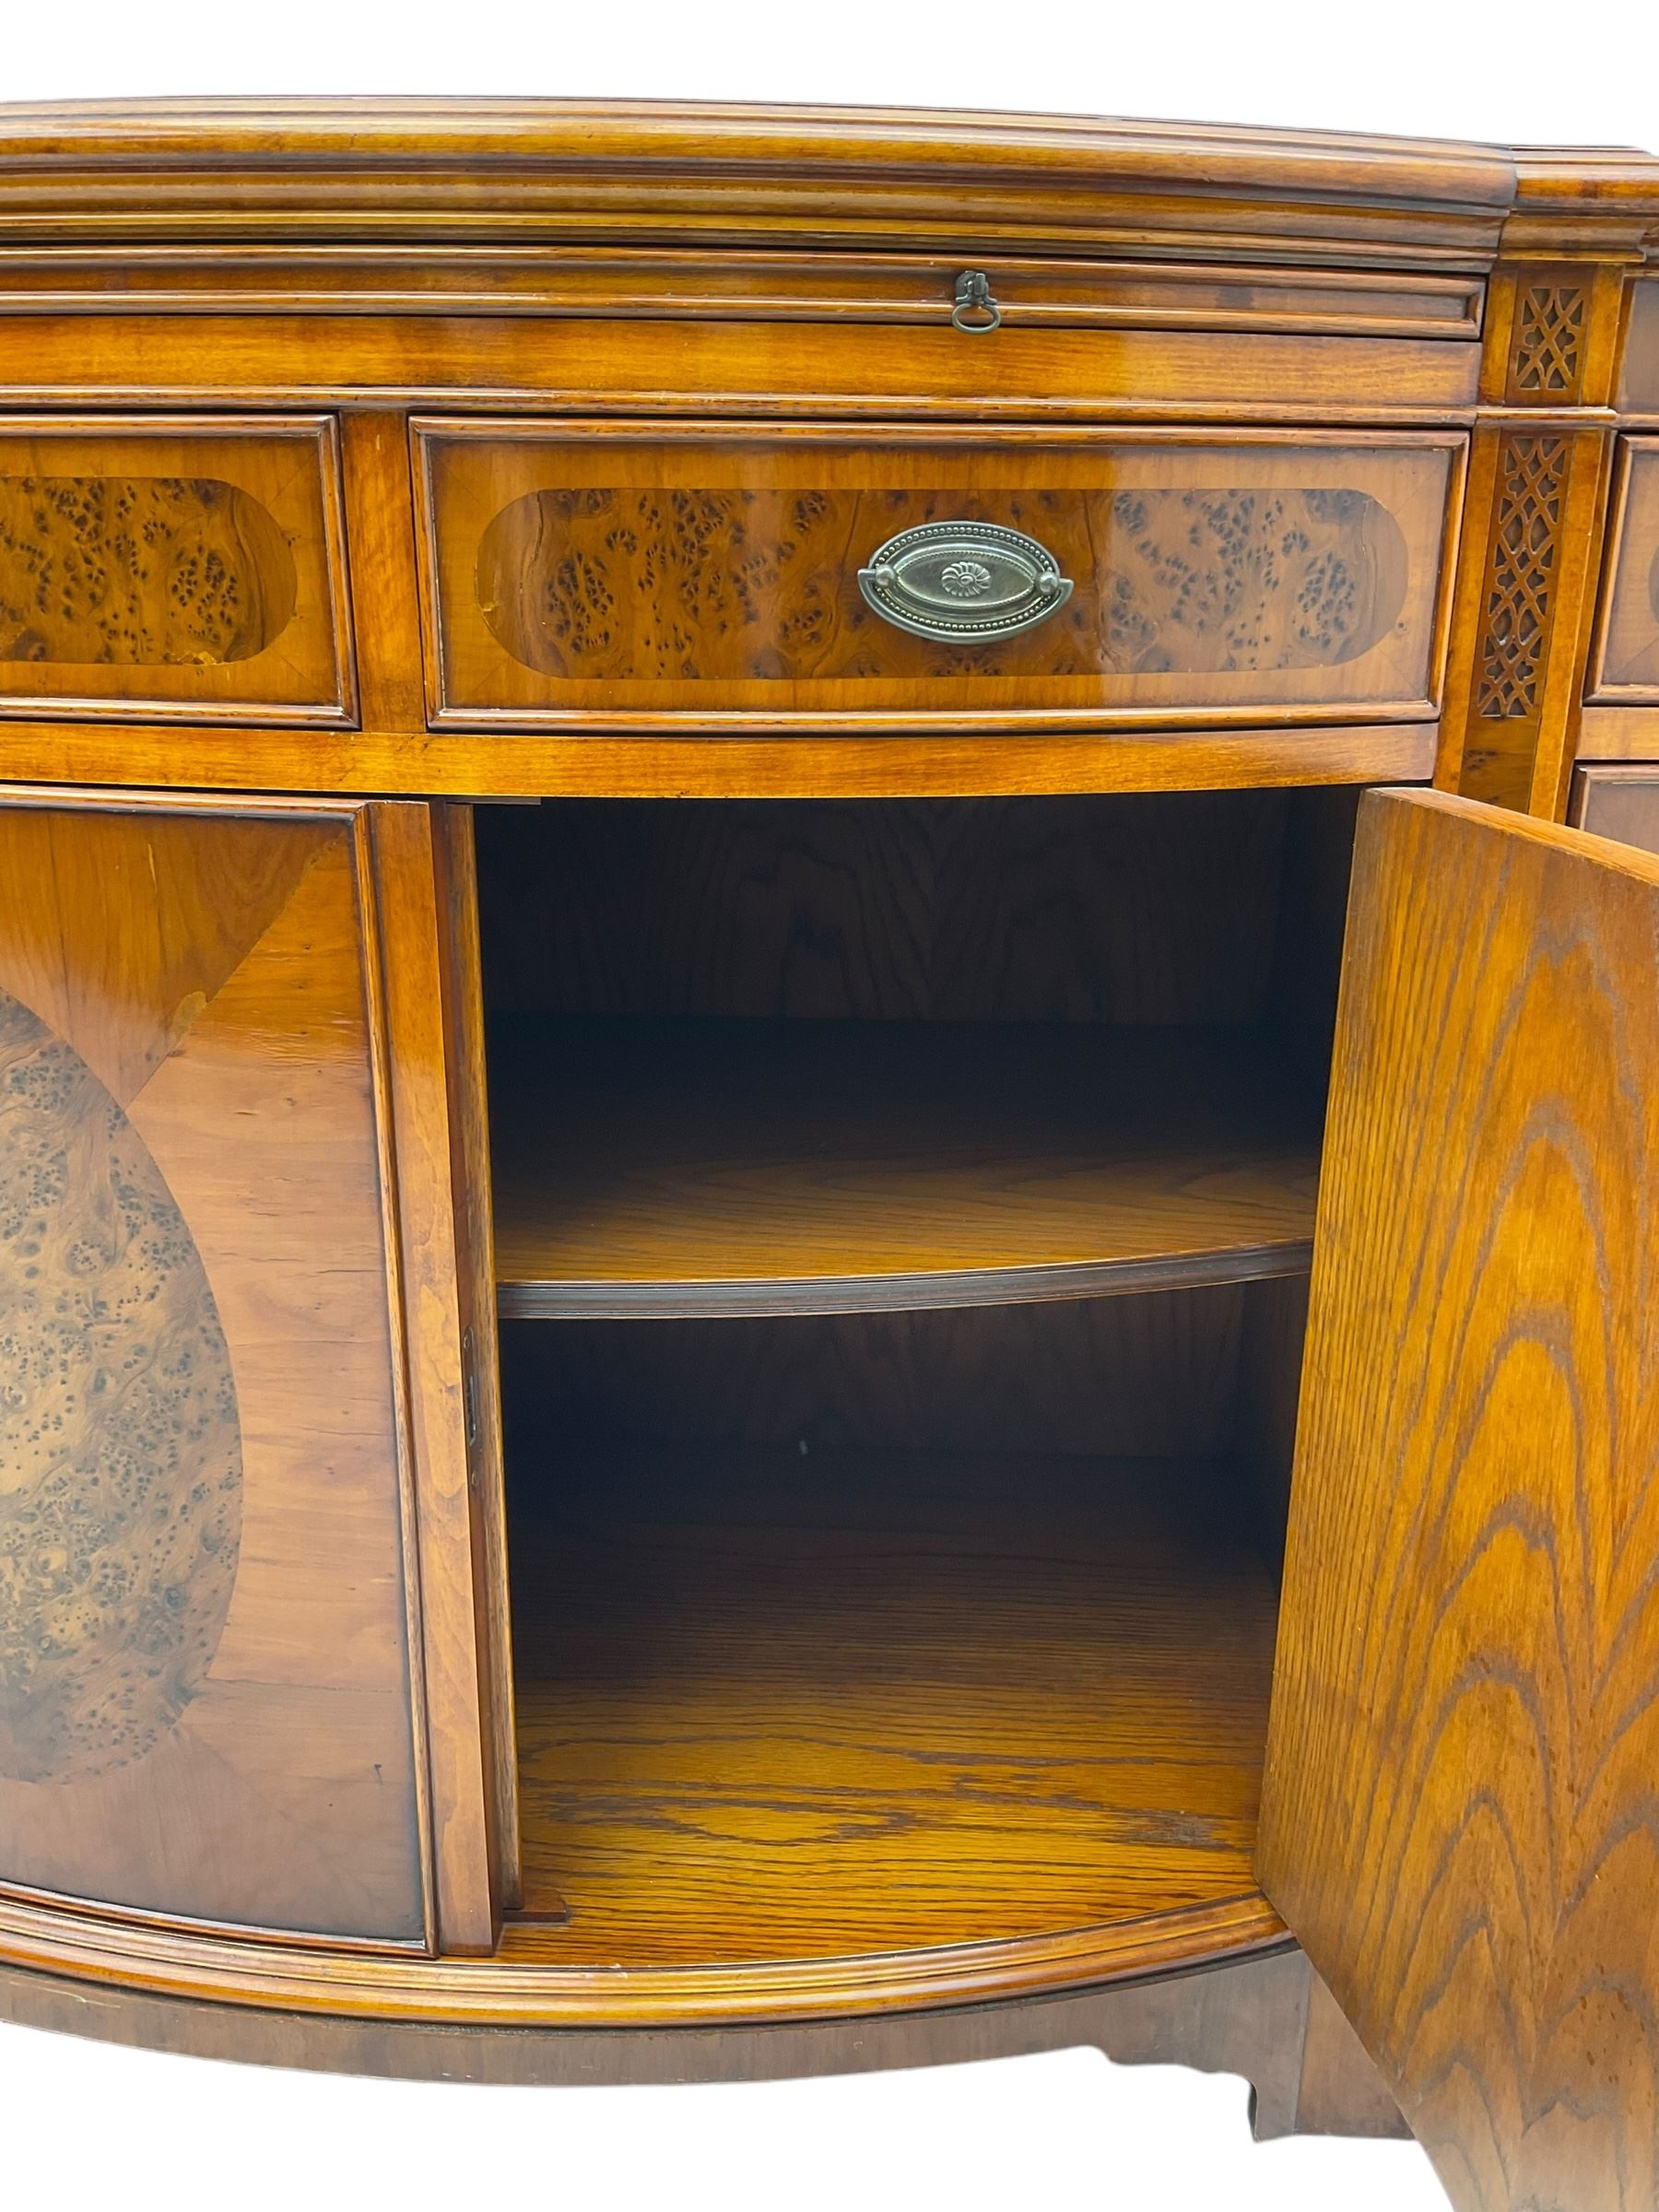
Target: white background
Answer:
[[87, 2126], [1521, 71]]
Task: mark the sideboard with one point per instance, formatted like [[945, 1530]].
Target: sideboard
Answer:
[[829, 1104]]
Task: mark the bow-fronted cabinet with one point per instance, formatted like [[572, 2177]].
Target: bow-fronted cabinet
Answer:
[[828, 1193]]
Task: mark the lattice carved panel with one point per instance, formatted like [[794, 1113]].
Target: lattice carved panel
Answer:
[[1549, 358], [1519, 602]]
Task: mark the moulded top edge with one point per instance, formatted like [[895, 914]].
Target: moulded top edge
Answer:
[[369, 135]]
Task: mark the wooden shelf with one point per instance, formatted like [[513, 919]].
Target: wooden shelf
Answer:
[[677, 1167], [777, 1708]]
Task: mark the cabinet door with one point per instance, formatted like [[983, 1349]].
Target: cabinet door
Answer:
[[216, 1430], [1461, 1812]]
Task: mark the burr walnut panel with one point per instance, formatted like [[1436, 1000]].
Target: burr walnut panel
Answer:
[[592, 574], [1629, 664], [121, 1466], [169, 567], [139, 572], [205, 1701]]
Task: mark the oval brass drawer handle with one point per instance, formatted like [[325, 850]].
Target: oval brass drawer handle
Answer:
[[963, 583]]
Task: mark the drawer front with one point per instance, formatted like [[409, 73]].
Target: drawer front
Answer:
[[605, 573], [1627, 661], [1621, 803], [172, 566]]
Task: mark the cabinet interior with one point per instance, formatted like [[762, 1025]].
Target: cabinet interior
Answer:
[[903, 1213]]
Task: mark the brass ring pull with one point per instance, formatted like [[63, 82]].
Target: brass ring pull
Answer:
[[974, 297]]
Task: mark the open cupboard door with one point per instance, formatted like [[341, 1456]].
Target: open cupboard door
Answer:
[[1461, 1809]]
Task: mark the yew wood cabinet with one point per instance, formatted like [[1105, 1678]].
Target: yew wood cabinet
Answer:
[[828, 1191]]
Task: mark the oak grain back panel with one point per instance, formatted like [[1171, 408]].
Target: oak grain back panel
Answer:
[[206, 1703], [173, 566], [1458, 1817], [614, 575], [1136, 1377], [1150, 907]]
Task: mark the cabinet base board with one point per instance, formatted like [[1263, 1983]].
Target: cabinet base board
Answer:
[[1260, 2017]]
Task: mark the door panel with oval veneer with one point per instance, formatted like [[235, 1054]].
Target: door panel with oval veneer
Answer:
[[209, 1702]]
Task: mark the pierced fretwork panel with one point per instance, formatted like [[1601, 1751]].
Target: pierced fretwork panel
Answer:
[[1549, 358], [1519, 604]]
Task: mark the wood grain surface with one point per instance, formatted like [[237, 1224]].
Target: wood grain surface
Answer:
[[191, 567], [1639, 393], [120, 1437], [135, 572], [431, 169], [1245, 2016], [1340, 2092], [1152, 1376], [210, 1722], [738, 285], [659, 1167], [413, 978], [1153, 907], [1526, 599], [1047, 1669], [1458, 1817], [605, 572], [480, 1422], [680, 366], [1627, 671], [776, 1707], [1621, 803], [955, 763], [1618, 734]]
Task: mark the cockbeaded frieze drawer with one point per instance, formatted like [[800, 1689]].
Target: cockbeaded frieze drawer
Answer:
[[617, 574], [158, 567]]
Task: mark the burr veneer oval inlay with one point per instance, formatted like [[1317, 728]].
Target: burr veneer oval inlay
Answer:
[[120, 1446], [173, 565], [139, 571], [641, 583]]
